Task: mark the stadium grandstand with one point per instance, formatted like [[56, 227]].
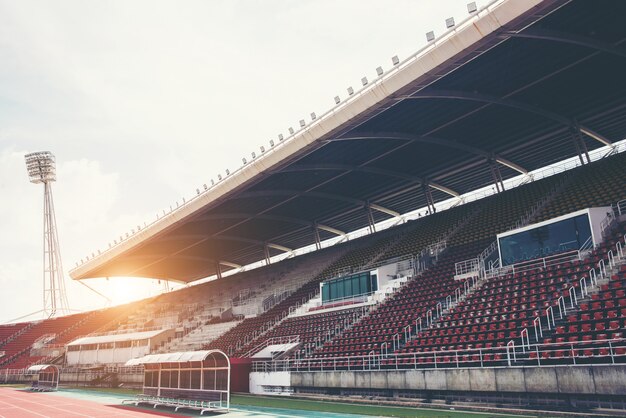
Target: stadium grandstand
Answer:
[[452, 232]]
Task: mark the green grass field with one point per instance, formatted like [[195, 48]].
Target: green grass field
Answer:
[[359, 409]]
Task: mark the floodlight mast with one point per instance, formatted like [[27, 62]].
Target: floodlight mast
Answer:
[[41, 167]]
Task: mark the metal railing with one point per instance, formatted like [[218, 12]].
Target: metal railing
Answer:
[[522, 353], [288, 339], [440, 310], [545, 262], [464, 267], [620, 208], [613, 260], [511, 354]]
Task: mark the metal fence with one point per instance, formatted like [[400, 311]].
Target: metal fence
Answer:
[[607, 351]]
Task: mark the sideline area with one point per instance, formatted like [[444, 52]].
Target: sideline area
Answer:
[[16, 402]]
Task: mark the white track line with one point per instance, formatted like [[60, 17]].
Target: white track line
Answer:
[[24, 409], [51, 407], [99, 408]]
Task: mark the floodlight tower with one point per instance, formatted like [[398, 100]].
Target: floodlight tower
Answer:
[[41, 168]]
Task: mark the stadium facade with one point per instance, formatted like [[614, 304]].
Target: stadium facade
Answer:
[[515, 298]]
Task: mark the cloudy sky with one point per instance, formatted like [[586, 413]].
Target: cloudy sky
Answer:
[[143, 101]]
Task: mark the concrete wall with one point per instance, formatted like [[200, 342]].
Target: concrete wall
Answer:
[[587, 379], [270, 383]]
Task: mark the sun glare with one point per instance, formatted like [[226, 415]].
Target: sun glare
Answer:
[[127, 289]]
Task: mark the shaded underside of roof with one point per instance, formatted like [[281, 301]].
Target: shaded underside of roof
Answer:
[[531, 94]]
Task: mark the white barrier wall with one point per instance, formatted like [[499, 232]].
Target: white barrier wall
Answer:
[[272, 383]]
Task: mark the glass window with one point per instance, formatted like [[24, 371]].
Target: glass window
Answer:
[[374, 283], [195, 379], [356, 286], [221, 379], [209, 379], [347, 287], [165, 379], [339, 285], [185, 379], [174, 379], [325, 292], [364, 283], [566, 235]]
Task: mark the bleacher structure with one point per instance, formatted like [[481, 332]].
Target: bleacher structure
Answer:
[[452, 157]]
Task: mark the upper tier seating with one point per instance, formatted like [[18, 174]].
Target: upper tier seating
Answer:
[[601, 183], [499, 213]]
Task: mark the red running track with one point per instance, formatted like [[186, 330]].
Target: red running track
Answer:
[[22, 404]]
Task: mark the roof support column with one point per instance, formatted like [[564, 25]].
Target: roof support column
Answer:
[[266, 250], [370, 218], [430, 202], [218, 269], [497, 176], [316, 235], [579, 143]]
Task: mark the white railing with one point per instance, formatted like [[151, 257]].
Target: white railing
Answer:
[[613, 261], [601, 350], [440, 308], [620, 207], [544, 263], [288, 339], [510, 354], [465, 267]]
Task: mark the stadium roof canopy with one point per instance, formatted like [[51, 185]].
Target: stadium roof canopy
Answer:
[[516, 87]]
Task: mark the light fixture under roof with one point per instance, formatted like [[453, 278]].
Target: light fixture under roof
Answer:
[[430, 36], [450, 22], [291, 131], [337, 100], [302, 123], [379, 71], [395, 60], [364, 81], [313, 116], [471, 7], [350, 91]]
